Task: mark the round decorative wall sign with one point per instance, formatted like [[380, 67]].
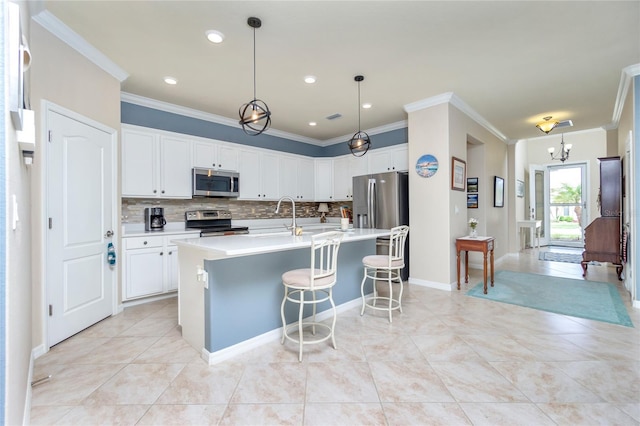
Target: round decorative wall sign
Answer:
[[427, 165]]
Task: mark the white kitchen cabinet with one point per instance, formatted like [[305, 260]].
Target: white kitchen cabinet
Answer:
[[389, 159], [344, 169], [155, 165], [150, 265], [296, 177], [213, 155], [259, 176], [324, 179]]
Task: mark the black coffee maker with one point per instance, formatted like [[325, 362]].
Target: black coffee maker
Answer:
[[154, 219]]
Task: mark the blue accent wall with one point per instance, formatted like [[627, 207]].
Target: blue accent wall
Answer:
[[244, 295], [163, 120]]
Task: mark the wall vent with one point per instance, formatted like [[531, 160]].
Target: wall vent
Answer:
[[334, 116]]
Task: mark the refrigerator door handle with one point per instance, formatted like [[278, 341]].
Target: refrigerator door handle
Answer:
[[371, 193]]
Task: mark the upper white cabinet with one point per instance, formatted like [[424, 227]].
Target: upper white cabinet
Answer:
[[259, 176], [155, 165], [389, 159], [214, 155], [324, 179], [341, 179], [296, 177]]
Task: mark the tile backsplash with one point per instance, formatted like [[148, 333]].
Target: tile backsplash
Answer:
[[133, 208]]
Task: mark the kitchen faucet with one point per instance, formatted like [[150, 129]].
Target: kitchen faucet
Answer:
[[293, 222]]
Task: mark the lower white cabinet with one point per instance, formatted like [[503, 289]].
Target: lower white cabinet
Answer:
[[150, 265]]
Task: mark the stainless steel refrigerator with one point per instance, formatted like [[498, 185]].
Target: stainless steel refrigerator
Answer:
[[381, 201]]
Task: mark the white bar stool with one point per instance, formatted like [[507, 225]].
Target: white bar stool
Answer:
[[386, 267], [319, 278]]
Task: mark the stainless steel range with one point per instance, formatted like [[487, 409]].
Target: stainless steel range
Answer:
[[212, 223]]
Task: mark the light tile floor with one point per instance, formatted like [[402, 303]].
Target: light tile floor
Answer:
[[448, 359]]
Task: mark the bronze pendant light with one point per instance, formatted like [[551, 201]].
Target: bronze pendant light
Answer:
[[360, 142], [255, 116]]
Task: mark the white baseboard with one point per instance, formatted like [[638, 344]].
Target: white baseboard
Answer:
[[432, 284], [636, 304], [134, 302], [270, 336]]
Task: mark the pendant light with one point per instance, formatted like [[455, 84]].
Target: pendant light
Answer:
[[564, 151], [255, 116], [360, 142]]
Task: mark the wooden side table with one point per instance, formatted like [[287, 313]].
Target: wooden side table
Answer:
[[467, 244]]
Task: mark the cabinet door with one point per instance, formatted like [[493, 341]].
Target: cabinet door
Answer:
[[227, 158], [175, 170], [379, 162], [288, 177], [144, 273], [249, 169], [400, 159], [205, 155], [341, 177], [358, 166], [139, 164], [269, 176], [324, 180], [171, 262], [306, 179]]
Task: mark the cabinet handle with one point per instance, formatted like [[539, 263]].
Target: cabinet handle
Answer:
[[145, 243], [163, 191], [219, 165], [155, 191], [170, 253], [161, 253]]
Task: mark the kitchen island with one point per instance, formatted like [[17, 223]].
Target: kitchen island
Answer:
[[230, 287]]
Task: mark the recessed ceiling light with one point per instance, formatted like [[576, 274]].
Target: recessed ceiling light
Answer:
[[310, 79], [170, 80], [312, 123], [215, 36], [366, 106]]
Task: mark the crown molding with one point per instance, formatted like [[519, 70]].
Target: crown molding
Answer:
[[205, 116], [623, 89], [450, 97], [59, 29], [402, 124]]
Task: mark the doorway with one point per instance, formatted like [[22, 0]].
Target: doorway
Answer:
[[558, 197]]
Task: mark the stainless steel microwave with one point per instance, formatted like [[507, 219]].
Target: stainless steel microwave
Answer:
[[215, 183]]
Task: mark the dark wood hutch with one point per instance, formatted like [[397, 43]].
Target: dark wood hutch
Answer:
[[603, 236]]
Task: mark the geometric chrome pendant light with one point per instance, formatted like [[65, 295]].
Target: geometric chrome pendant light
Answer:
[[255, 116], [547, 125], [564, 151], [360, 142]]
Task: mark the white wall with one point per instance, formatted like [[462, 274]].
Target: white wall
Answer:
[[438, 214], [18, 272]]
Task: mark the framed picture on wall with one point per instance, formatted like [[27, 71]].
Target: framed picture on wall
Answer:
[[472, 184], [458, 174], [498, 192], [472, 201]]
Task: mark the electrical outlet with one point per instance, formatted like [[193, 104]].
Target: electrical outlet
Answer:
[[203, 276]]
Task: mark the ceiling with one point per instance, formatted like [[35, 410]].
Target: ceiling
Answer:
[[513, 62]]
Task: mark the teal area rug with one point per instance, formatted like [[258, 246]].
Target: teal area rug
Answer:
[[578, 298]]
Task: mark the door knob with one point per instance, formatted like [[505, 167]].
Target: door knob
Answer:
[[109, 234]]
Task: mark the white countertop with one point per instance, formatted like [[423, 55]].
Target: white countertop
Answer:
[[251, 244]]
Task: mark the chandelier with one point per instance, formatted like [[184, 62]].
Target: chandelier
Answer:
[[255, 116], [564, 151], [360, 142]]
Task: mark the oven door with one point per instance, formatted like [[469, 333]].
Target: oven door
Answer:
[[215, 183]]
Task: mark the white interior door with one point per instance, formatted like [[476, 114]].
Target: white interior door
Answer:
[[80, 282]]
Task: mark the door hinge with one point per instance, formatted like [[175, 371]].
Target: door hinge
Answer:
[[49, 135], [50, 310], [50, 223]]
